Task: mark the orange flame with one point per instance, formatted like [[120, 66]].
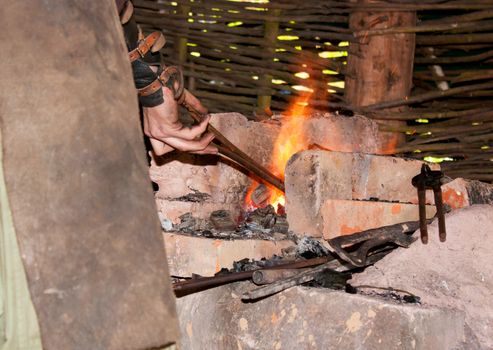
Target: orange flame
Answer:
[[291, 139]]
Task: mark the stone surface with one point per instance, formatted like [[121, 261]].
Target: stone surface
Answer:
[[461, 193], [456, 274], [310, 318], [342, 217], [314, 178], [189, 255], [347, 134]]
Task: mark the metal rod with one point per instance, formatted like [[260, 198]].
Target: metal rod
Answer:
[[422, 215], [228, 149], [197, 284], [437, 191], [305, 276], [261, 277], [253, 167]]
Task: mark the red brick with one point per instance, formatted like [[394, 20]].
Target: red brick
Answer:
[[204, 256], [344, 217], [313, 177], [461, 193]]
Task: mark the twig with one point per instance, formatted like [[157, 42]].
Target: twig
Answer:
[[467, 26], [428, 96]]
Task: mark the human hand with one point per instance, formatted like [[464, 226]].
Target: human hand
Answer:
[[166, 132]]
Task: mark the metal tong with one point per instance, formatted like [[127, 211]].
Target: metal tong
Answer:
[[430, 179], [225, 147]]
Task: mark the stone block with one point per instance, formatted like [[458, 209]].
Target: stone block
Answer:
[[461, 193], [314, 177], [311, 178], [343, 134], [189, 255], [180, 176], [313, 318], [344, 217]]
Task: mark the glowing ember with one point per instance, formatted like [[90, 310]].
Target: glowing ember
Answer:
[[291, 139]]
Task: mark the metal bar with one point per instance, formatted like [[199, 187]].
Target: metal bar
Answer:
[[228, 149], [197, 284], [261, 277], [422, 215], [437, 191]]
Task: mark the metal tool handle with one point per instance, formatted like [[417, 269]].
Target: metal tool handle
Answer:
[[422, 214], [437, 191]]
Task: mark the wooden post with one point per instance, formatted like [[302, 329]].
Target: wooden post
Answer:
[[182, 42], [380, 68], [270, 36]]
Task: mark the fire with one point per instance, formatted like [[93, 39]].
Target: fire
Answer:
[[291, 139]]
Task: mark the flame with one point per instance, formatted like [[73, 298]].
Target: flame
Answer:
[[291, 139]]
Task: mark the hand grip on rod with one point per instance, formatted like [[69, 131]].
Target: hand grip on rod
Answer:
[[229, 150]]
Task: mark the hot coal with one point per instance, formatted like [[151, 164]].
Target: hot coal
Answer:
[[222, 220], [266, 218], [260, 196], [262, 224]]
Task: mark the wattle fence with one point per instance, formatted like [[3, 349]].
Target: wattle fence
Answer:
[[246, 55]]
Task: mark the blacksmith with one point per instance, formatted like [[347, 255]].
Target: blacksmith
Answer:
[[76, 173]]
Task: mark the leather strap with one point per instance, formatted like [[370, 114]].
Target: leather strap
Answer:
[[151, 88], [145, 46], [172, 73]]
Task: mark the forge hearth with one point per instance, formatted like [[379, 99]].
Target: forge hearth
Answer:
[[339, 187], [201, 185]]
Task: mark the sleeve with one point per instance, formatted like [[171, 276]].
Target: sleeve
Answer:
[[141, 67]]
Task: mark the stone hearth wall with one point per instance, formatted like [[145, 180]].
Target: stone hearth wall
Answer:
[[202, 184]]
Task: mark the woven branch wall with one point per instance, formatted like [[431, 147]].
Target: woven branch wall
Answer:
[[236, 53]]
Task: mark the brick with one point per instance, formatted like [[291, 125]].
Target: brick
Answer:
[[461, 193], [344, 217], [339, 133], [180, 175], [313, 318], [204, 256], [313, 177], [385, 178]]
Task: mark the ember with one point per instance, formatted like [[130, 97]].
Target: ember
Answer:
[[292, 139]]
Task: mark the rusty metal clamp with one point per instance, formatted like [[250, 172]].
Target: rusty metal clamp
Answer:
[[430, 179]]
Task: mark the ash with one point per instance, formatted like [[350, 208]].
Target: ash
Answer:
[[308, 247], [251, 265]]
